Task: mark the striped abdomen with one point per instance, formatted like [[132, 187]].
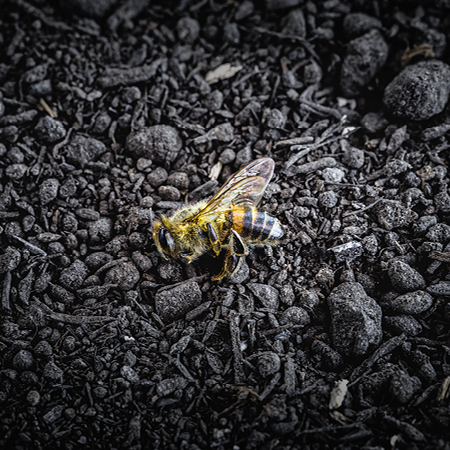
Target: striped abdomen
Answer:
[[256, 226]]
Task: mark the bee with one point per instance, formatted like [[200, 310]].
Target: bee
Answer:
[[225, 224]]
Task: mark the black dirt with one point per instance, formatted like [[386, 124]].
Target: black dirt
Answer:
[[115, 112]]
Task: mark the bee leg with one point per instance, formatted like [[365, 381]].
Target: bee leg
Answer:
[[213, 239], [230, 264], [237, 244]]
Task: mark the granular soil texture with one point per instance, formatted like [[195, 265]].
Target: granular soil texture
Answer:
[[115, 112]]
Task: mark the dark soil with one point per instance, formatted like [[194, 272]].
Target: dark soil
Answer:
[[114, 112]]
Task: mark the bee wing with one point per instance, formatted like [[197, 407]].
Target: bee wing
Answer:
[[246, 187]]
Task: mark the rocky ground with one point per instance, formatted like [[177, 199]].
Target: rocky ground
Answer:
[[114, 111]]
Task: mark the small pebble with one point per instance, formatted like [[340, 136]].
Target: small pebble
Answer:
[[403, 387], [48, 190], [268, 364], [348, 251], [411, 303], [169, 385], [82, 150], [366, 55], [16, 172], [33, 397], [419, 91], [404, 278], [124, 274], [9, 260], [100, 231], [53, 373], [393, 214], [174, 303], [50, 130], [333, 174], [188, 29], [129, 374], [403, 324], [328, 199], [294, 316], [73, 276], [355, 319], [267, 295], [23, 360], [159, 143]]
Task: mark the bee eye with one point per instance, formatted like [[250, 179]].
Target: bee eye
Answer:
[[166, 240]]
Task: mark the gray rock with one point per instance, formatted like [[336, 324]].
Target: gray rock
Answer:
[[419, 91], [287, 295], [442, 201], [129, 374], [266, 294], [231, 33], [393, 214], [33, 397], [348, 251], [357, 24], [41, 88], [169, 193], [23, 360], [44, 348], [157, 177], [143, 262], [15, 156], [421, 225], [374, 122], [355, 319], [294, 316], [50, 130], [48, 190], [98, 259], [353, 158], [439, 233], [440, 289], [241, 274], [161, 143], [100, 231], [403, 324], [180, 180], [169, 385], [268, 364], [366, 55], [404, 278], [403, 387], [188, 29], [9, 260], [295, 23], [73, 276], [411, 303], [174, 303], [53, 373], [16, 172], [244, 10], [82, 150], [125, 275], [274, 118], [308, 300], [170, 271], [227, 156]]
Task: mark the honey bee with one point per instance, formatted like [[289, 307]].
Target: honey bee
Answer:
[[225, 224]]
